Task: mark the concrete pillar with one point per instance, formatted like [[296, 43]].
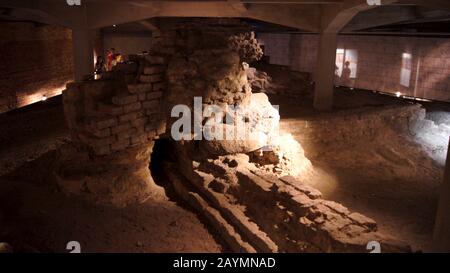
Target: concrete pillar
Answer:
[[324, 78], [442, 223], [83, 53]]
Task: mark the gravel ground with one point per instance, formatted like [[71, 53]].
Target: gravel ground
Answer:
[[36, 217]]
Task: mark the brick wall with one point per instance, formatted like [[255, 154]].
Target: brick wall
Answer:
[[113, 115], [278, 47], [380, 61], [35, 61]]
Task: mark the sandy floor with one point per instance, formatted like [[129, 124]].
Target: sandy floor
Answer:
[[391, 181], [36, 217], [389, 178]]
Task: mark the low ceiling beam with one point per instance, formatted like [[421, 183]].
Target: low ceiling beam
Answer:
[[305, 18], [436, 4], [238, 5], [301, 17], [335, 17], [380, 16]]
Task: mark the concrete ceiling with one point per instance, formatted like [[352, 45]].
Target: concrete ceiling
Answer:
[[345, 16]]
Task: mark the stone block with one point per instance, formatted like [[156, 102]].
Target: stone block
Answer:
[[153, 104], [139, 122], [102, 124], [132, 107], [120, 128], [151, 78], [161, 128], [152, 111], [102, 149], [363, 220], [139, 139], [150, 70], [127, 117], [152, 59], [110, 109], [139, 88], [120, 145], [151, 134], [124, 99], [103, 141], [154, 95], [126, 134], [142, 96], [150, 127], [102, 133], [158, 86]]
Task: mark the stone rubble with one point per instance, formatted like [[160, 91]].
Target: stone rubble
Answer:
[[275, 214], [5, 248], [255, 207], [113, 123]]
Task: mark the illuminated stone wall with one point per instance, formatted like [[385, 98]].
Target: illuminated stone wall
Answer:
[[35, 61], [112, 115], [413, 66], [277, 48], [113, 123]]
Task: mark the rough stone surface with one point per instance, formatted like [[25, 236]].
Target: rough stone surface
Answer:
[[6, 248], [258, 121], [113, 123], [119, 179], [281, 215], [215, 75], [259, 81], [275, 79], [110, 115], [36, 61], [247, 46]]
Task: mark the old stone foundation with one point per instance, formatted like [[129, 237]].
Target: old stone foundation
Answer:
[[113, 123], [245, 192], [255, 211]]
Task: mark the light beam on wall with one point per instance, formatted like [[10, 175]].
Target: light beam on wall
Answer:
[[346, 66], [40, 95], [405, 74]]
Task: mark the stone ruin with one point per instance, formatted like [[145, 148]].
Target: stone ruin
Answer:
[[113, 125], [248, 194], [281, 81]]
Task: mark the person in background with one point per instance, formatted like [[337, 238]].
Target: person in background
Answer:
[[346, 73], [99, 67], [111, 58]]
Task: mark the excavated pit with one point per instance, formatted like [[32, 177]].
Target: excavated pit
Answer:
[[372, 155], [403, 207]]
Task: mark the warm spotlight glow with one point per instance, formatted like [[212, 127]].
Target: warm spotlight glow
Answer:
[[398, 94], [41, 95], [420, 99]]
